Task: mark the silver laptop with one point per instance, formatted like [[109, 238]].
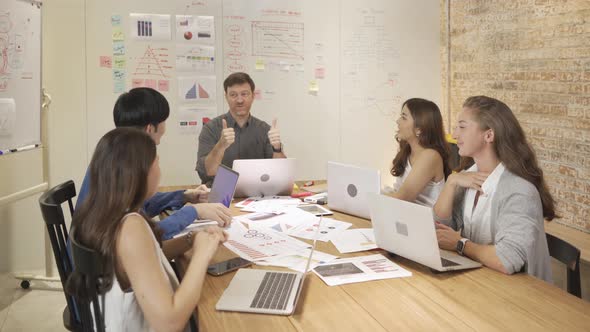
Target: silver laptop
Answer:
[[408, 230], [348, 186], [264, 177], [265, 291]]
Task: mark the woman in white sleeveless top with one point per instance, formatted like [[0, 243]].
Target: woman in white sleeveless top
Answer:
[[421, 163], [141, 290]]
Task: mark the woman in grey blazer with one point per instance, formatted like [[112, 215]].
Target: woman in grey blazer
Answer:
[[493, 211]]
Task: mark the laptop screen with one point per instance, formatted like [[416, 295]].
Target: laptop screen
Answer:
[[224, 185]]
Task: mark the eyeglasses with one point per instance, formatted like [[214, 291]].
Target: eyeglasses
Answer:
[[243, 94]]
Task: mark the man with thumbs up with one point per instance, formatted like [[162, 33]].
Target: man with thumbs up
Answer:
[[236, 134]]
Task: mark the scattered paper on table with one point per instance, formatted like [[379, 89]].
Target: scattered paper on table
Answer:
[[353, 240], [195, 226], [329, 229], [257, 244], [270, 204], [359, 269], [298, 261]]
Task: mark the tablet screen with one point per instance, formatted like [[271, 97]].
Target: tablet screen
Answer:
[[224, 186]]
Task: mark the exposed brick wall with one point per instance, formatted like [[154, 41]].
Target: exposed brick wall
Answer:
[[535, 56]]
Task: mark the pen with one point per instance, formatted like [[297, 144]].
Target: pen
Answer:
[[25, 148]]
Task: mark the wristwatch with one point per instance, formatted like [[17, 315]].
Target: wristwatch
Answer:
[[461, 246], [279, 150]]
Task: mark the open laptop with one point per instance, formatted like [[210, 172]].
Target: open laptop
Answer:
[[348, 186], [408, 230], [224, 186], [265, 291], [264, 177]]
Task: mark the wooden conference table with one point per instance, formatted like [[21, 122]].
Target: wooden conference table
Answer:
[[479, 299]]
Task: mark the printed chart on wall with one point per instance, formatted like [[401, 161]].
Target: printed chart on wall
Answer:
[[20, 75], [195, 71], [191, 119]]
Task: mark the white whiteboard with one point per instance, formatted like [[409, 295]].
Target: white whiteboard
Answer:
[[333, 72], [20, 74]]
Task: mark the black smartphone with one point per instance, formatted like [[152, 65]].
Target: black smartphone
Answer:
[[227, 266]]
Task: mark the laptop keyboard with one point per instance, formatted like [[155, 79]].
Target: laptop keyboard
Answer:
[[447, 263], [274, 291]]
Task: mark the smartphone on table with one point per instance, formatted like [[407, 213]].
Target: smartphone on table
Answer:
[[229, 265]]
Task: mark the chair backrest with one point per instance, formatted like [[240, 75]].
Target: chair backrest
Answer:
[[87, 262], [53, 215], [570, 256], [454, 157]]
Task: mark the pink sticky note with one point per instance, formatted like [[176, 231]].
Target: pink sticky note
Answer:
[[163, 85], [149, 83], [257, 94], [320, 72], [136, 83], [106, 61]]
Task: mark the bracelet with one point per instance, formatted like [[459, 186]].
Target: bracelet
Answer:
[[189, 238]]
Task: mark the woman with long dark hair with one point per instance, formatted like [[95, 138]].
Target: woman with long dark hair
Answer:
[[421, 164], [141, 290], [495, 209]]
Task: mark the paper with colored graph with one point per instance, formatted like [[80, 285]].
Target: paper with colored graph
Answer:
[[262, 243], [359, 269], [290, 218], [329, 229]]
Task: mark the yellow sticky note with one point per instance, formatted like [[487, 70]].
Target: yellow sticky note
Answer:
[[259, 64], [118, 33], [314, 86]]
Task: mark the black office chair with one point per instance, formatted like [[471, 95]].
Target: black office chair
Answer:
[[570, 256], [87, 262], [53, 216]]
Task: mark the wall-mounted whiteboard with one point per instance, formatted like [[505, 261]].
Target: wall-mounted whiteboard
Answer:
[[334, 73], [20, 73]]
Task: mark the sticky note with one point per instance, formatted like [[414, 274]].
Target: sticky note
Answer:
[[119, 62], [119, 86], [118, 74], [118, 33], [259, 64], [313, 87], [137, 83], [150, 83], [115, 20], [105, 61], [285, 66], [118, 48], [320, 73], [163, 85], [257, 94]]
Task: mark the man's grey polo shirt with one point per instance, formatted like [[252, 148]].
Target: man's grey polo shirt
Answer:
[[251, 142]]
